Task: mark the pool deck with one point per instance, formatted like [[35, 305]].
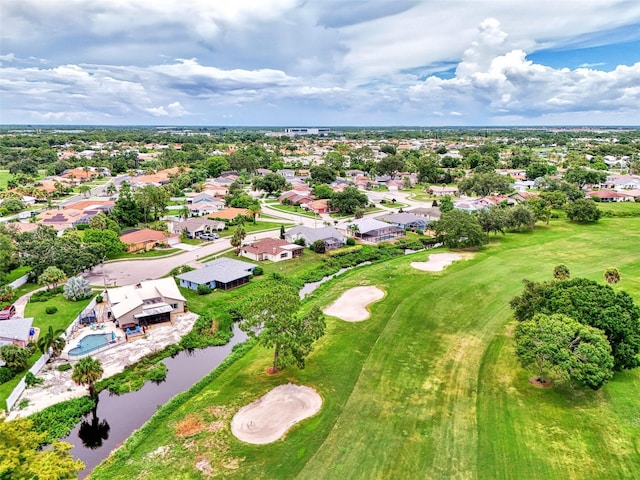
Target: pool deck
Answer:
[[58, 386]]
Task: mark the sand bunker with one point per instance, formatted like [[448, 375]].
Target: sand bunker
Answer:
[[352, 304], [438, 261], [268, 418]]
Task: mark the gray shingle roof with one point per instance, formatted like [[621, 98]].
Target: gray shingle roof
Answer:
[[403, 218], [223, 270], [313, 234], [15, 328]]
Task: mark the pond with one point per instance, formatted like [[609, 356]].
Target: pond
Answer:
[[116, 417]]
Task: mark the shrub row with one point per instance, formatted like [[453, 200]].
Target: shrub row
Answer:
[[351, 258], [58, 420], [44, 295]]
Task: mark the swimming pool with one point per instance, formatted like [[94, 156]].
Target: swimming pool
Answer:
[[91, 342]]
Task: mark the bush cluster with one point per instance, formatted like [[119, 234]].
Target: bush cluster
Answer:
[[356, 256], [58, 420], [51, 310], [44, 295], [203, 290], [6, 374]]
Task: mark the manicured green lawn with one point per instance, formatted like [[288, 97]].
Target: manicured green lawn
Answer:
[[149, 254], [620, 208], [67, 312], [5, 176], [428, 387], [293, 209], [17, 273]]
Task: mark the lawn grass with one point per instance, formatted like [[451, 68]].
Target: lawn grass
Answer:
[[620, 208], [17, 273], [5, 176], [150, 254], [67, 312], [293, 209], [428, 387]]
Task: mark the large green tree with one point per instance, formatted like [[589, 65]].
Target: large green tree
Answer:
[[486, 184], [270, 183], [562, 347], [126, 210], [108, 240], [152, 201], [348, 200], [457, 229], [582, 210], [14, 357], [52, 276], [21, 455], [589, 303], [273, 310]]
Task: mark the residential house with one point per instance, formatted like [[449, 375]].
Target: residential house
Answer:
[[145, 303], [329, 235], [406, 221], [17, 331], [432, 214], [286, 173], [143, 239], [443, 191], [196, 226], [609, 196], [223, 273], [205, 208], [370, 230], [273, 249], [227, 214], [320, 206], [295, 197]]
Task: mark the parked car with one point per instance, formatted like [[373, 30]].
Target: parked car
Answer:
[[7, 312], [209, 236]]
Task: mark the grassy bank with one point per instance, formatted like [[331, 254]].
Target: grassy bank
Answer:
[[428, 387]]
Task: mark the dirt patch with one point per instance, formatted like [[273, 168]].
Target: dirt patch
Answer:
[[438, 261], [352, 304], [189, 426], [540, 383], [205, 467], [268, 418]]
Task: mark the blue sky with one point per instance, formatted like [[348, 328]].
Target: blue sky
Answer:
[[320, 62]]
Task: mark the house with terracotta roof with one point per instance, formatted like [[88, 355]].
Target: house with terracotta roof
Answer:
[[273, 249], [320, 206], [78, 175], [229, 213], [143, 239], [609, 196]]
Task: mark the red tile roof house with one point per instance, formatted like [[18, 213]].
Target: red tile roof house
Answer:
[[320, 206], [272, 249], [610, 196], [143, 239]]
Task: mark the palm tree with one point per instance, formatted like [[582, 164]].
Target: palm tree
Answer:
[[612, 275], [87, 371], [111, 189], [185, 212], [52, 340], [254, 210]]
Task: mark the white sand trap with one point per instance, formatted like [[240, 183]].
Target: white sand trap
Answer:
[[438, 261], [352, 304], [268, 418]]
